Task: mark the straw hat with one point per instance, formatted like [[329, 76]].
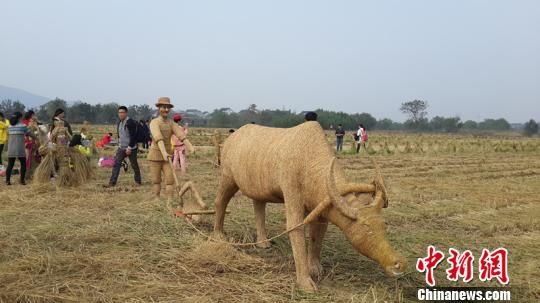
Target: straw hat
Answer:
[[164, 101]]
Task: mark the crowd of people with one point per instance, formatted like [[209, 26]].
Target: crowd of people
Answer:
[[30, 142], [48, 152], [360, 137]]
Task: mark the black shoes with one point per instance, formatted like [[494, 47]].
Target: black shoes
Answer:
[[8, 183]]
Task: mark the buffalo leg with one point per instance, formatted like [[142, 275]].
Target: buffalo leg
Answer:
[[260, 215], [227, 189], [317, 231], [295, 215]]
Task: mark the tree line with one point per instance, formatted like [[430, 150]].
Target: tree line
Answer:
[[415, 110]]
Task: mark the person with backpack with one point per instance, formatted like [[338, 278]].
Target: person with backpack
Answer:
[[127, 132], [361, 137]]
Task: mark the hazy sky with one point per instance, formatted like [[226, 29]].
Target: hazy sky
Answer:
[[475, 59]]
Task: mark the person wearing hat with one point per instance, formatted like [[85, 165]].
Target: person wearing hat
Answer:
[[161, 129]]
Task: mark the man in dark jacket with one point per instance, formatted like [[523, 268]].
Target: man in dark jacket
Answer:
[[127, 146], [340, 133]]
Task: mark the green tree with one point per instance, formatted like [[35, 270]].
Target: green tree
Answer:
[[8, 107], [330, 118], [140, 112], [416, 109], [417, 112], [388, 124], [280, 118], [108, 113], [251, 114], [46, 111], [420, 125], [494, 124], [470, 125], [442, 124], [80, 112], [365, 119], [530, 128], [145, 111], [219, 118]]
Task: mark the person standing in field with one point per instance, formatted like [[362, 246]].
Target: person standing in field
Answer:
[[179, 147], [30, 144], [4, 123], [361, 137], [162, 128], [340, 134], [16, 150], [127, 146], [146, 132]]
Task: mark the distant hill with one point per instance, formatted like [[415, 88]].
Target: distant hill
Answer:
[[28, 99]]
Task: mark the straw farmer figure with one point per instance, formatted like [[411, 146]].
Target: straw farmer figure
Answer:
[[162, 128]]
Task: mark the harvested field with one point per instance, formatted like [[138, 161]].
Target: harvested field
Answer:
[[89, 244]]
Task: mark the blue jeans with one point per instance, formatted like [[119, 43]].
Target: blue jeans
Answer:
[[339, 143]]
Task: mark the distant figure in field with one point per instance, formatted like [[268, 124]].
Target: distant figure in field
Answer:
[[4, 123], [361, 137], [30, 143], [310, 116], [146, 132], [179, 147], [16, 150], [105, 140], [77, 143], [340, 133]]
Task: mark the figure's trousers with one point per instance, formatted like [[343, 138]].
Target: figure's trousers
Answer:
[[156, 169]]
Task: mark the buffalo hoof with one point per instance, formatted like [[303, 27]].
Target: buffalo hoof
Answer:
[[218, 236], [315, 270], [266, 244], [306, 284]]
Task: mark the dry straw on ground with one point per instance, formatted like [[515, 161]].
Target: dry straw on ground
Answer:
[[91, 245]]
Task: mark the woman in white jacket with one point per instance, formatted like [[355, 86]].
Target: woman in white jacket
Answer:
[[360, 137]]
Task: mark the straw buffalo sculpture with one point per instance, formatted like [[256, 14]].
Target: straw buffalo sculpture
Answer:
[[296, 167]]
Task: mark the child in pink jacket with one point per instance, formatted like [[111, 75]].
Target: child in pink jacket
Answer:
[[179, 148]]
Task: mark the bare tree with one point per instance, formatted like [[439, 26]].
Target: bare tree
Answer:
[[416, 110]]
